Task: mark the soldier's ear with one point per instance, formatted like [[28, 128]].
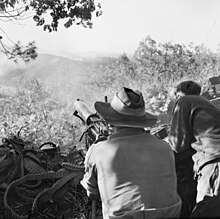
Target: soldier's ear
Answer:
[[179, 94]]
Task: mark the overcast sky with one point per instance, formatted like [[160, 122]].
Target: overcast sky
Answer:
[[125, 23]]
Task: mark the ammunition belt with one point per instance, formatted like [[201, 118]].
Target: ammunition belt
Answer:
[[32, 163], [46, 195], [4, 163], [3, 151], [25, 171], [72, 167], [24, 179]]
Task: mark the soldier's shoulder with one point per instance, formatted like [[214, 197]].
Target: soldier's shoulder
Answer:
[[193, 98]]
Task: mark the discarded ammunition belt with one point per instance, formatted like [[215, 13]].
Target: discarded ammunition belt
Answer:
[[53, 175], [32, 164], [3, 150], [27, 173], [72, 167], [47, 194], [6, 162]]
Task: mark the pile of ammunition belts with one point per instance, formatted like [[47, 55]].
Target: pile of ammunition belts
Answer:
[[41, 183]]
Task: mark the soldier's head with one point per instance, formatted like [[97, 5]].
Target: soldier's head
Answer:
[[187, 88], [126, 109]]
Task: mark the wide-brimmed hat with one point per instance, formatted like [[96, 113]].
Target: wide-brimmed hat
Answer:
[[127, 108]]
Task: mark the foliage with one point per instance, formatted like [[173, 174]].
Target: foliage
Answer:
[[165, 64], [155, 68], [41, 118], [18, 51], [48, 14], [109, 77]]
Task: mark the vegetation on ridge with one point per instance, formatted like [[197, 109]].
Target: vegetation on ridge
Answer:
[[154, 69]]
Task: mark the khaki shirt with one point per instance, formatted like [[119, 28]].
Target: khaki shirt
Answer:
[[134, 174]]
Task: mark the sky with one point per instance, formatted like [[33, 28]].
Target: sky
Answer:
[[125, 23]]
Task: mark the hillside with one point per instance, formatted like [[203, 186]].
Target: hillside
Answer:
[[65, 76], [46, 68]]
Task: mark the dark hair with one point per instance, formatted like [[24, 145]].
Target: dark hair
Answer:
[[189, 88]]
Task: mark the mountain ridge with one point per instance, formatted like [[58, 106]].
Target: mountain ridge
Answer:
[[66, 76]]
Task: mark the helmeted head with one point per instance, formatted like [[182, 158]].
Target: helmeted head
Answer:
[[127, 109]]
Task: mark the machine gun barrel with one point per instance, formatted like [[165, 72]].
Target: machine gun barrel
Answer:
[[83, 112], [97, 128]]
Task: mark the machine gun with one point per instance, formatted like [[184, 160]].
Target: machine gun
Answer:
[[96, 128]]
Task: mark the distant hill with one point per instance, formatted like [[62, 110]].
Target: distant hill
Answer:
[[87, 56], [66, 76], [46, 68]]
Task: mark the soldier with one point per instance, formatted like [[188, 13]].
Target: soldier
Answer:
[[186, 184], [195, 133], [132, 171]]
